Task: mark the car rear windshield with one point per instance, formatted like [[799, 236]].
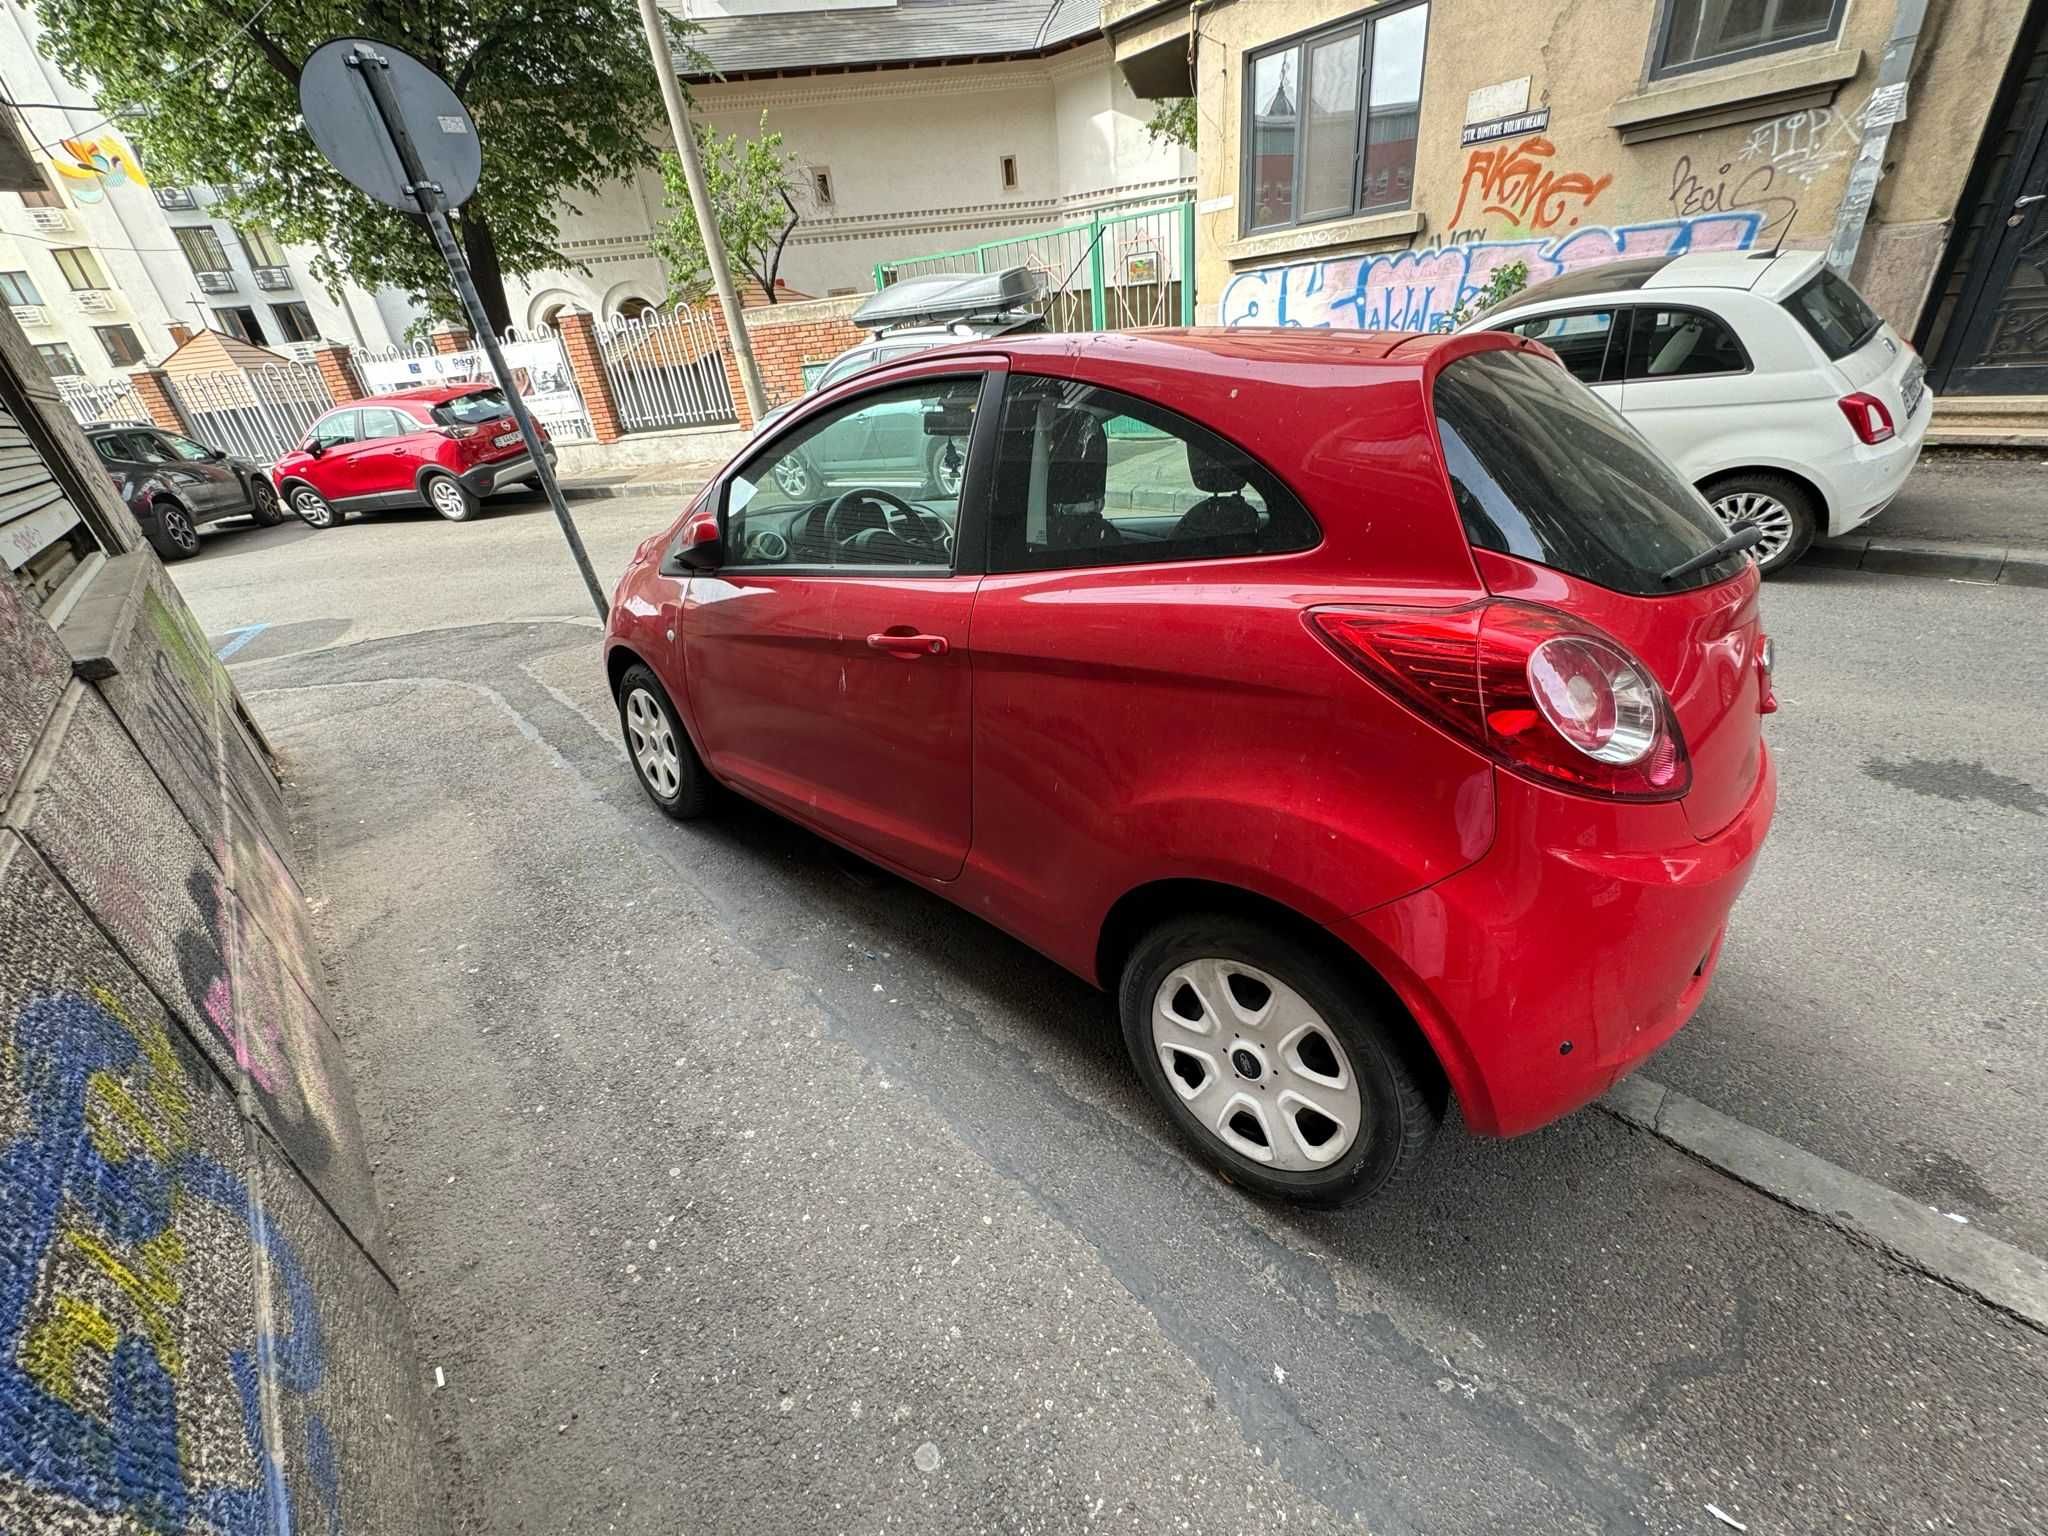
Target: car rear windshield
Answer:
[[1541, 468], [470, 409], [1834, 315]]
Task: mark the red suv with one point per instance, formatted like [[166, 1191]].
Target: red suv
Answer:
[[1377, 715], [445, 446]]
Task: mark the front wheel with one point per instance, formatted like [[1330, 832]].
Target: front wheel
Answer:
[[1271, 1063], [175, 537], [451, 498], [314, 510], [663, 758], [263, 504], [1781, 507]]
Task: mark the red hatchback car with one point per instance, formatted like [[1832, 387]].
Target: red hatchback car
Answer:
[[1378, 715], [445, 446]]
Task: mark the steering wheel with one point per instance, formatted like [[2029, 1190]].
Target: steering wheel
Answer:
[[899, 518]]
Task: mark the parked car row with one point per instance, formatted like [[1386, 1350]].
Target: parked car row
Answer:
[[444, 446]]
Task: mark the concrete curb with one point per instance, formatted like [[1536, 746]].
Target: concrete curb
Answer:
[[2014, 566], [1996, 1273], [604, 490]]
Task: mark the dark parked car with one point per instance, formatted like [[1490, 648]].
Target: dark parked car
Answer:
[[175, 485]]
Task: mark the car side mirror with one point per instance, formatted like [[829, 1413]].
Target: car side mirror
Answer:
[[216, 454], [315, 447], [702, 545]]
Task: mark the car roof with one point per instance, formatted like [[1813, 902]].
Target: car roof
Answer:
[[1769, 274], [432, 393], [1196, 346]]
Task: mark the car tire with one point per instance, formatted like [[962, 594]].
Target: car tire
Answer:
[[665, 763], [313, 509], [1786, 509], [939, 480], [1249, 1081], [175, 538], [263, 504], [450, 497]]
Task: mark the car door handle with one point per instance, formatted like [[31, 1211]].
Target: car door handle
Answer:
[[908, 645]]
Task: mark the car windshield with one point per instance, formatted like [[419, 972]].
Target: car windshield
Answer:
[[468, 410], [1833, 314], [1543, 469]]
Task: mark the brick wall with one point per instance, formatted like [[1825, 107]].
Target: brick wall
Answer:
[[152, 389], [337, 372], [786, 336], [579, 342]]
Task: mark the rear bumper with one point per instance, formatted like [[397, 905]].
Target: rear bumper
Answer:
[[1867, 480], [1558, 963], [482, 479]]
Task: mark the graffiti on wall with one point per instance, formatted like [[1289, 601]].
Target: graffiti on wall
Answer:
[[116, 1206], [1517, 182], [89, 166], [1423, 290], [1728, 186], [1801, 146]]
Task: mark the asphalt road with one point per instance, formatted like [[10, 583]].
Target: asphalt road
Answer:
[[738, 1187]]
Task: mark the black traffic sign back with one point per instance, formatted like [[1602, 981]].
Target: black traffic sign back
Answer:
[[343, 119]]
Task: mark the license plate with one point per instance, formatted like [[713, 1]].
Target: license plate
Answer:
[[1913, 387], [506, 439]]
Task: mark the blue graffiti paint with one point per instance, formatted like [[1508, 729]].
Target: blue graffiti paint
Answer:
[[1423, 290], [54, 1179]]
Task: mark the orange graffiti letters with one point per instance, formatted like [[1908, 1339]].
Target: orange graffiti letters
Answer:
[[1517, 181]]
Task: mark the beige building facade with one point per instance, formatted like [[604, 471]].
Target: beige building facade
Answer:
[[1373, 165]]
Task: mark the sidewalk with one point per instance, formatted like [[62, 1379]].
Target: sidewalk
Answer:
[[680, 478], [1970, 514]]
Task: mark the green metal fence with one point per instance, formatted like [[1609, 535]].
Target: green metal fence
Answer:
[[1120, 269]]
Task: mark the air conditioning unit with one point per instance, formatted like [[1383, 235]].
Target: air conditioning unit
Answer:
[[175, 197], [273, 278], [49, 218], [96, 301], [31, 314], [217, 282]]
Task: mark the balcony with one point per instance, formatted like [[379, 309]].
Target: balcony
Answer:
[[30, 314], [95, 301], [50, 218], [216, 282], [271, 279], [176, 198]]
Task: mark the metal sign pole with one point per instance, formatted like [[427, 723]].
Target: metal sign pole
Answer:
[[428, 194]]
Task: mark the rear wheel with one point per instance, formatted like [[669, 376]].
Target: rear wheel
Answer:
[[451, 498], [314, 510], [1271, 1063], [263, 504], [663, 758], [175, 537], [945, 466], [1783, 508]]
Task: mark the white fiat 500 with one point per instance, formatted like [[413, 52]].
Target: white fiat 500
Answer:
[[1766, 379]]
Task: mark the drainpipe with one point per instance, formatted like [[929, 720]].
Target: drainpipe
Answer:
[[1894, 70]]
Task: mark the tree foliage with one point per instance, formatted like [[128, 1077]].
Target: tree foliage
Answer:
[[751, 183], [1173, 122], [562, 92]]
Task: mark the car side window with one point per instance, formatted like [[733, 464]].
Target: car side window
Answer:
[[846, 367], [146, 447], [874, 482], [1087, 476], [337, 429], [383, 422], [110, 449], [1580, 340], [1673, 343]]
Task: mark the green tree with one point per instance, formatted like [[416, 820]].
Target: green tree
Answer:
[[1173, 122], [562, 92], [751, 185]]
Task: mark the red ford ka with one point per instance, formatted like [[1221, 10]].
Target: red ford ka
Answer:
[[1377, 715]]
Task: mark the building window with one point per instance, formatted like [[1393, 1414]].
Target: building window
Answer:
[[1693, 34], [241, 322], [80, 267], [58, 357], [1009, 173], [633, 307], [295, 322], [45, 197], [16, 288], [260, 248], [821, 185], [123, 346], [1331, 120], [202, 248]]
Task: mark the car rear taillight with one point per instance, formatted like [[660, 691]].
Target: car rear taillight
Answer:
[[458, 432], [1540, 693], [1868, 417]]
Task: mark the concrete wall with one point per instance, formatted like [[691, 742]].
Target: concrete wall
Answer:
[[1575, 192], [915, 157], [197, 1328]]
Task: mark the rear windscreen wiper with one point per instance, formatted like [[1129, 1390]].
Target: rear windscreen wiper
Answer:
[[1742, 536]]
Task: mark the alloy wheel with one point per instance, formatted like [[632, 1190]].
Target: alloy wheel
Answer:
[[448, 500], [794, 476], [1767, 512], [312, 507], [654, 743], [1256, 1065], [178, 530]]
